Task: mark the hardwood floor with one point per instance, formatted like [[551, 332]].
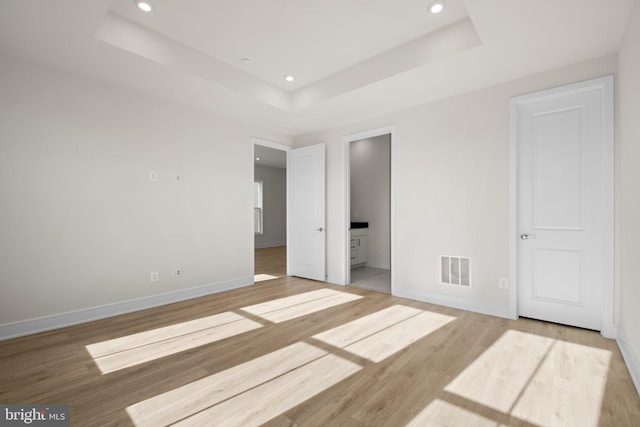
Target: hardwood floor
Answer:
[[270, 263], [296, 352]]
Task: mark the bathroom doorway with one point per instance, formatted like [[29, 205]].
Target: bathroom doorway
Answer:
[[369, 210]]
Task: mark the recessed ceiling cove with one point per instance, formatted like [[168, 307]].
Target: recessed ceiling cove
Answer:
[[353, 60], [332, 47]]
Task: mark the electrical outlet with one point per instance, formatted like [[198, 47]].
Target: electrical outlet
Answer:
[[176, 273], [153, 176], [154, 276], [503, 283], [178, 177]]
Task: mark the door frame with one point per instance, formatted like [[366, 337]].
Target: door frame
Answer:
[[605, 85], [265, 143], [346, 141]]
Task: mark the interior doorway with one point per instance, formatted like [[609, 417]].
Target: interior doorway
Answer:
[[369, 262], [269, 209]]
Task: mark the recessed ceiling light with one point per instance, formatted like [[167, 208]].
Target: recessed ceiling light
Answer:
[[258, 158], [289, 78], [143, 5], [436, 6]]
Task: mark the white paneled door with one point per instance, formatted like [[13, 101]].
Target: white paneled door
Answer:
[[306, 192], [562, 136]]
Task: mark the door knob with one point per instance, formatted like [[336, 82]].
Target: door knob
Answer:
[[527, 236]]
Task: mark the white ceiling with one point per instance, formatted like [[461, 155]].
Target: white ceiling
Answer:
[[307, 38], [270, 157], [353, 59]]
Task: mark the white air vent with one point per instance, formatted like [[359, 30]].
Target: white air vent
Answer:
[[455, 270]]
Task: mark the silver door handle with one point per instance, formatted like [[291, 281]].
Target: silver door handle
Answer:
[[319, 229], [527, 236]]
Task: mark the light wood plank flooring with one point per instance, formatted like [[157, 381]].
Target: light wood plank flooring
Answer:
[[270, 263], [296, 352]]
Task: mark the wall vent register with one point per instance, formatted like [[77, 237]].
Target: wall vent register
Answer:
[[455, 270]]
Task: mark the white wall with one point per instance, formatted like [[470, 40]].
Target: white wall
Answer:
[[274, 208], [629, 173], [82, 225], [451, 166], [370, 166]]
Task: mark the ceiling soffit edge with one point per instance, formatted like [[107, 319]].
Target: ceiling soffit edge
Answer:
[[120, 32]]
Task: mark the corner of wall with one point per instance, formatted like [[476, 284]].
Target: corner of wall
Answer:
[[630, 359]]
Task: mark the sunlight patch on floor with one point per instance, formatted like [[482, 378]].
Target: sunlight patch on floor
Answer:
[[508, 365], [283, 309], [247, 394], [576, 376], [263, 277], [385, 332], [537, 379], [120, 353], [441, 413]]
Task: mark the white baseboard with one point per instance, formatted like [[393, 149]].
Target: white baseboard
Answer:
[[42, 324], [456, 302], [270, 245], [609, 330], [335, 280], [630, 358]]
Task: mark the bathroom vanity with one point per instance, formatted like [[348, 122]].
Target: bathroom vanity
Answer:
[[359, 235]]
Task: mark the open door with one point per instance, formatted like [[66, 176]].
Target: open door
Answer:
[[306, 192]]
